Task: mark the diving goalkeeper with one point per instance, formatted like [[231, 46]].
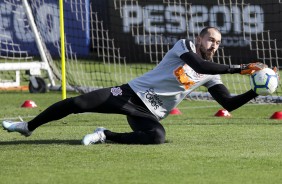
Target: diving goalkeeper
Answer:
[[148, 99]]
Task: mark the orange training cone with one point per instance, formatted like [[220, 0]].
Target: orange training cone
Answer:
[[277, 115], [175, 111], [29, 104], [223, 113]]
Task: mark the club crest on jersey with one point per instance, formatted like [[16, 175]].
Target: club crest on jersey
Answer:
[[116, 91]]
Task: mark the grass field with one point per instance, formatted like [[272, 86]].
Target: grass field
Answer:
[[200, 148]]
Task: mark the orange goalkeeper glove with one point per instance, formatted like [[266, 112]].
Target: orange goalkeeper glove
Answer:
[[251, 68]]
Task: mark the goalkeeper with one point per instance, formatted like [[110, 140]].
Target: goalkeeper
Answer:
[[148, 99]]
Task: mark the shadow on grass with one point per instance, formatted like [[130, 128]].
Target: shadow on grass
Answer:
[[40, 142]]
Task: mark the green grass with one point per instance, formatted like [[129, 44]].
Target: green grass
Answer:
[[200, 148]]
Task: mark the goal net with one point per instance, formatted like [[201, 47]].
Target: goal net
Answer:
[[109, 42]]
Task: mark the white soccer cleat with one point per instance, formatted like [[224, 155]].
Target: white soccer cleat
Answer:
[[20, 127], [97, 136]]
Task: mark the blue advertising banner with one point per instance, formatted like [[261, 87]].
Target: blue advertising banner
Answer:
[[16, 34]]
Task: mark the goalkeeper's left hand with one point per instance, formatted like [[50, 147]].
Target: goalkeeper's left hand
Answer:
[[251, 68]]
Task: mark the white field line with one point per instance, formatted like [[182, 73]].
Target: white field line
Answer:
[[18, 118]]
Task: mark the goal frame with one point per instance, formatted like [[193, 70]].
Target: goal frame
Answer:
[[34, 67]]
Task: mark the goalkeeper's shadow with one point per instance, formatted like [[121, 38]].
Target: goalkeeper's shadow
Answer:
[[41, 142]]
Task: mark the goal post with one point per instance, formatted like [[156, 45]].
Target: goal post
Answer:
[[109, 42], [12, 57], [39, 43], [63, 59]]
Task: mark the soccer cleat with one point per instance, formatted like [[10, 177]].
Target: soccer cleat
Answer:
[[20, 127], [97, 136]]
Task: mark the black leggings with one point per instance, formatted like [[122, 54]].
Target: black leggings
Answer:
[[118, 100]]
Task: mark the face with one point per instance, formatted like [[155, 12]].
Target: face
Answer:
[[208, 44]]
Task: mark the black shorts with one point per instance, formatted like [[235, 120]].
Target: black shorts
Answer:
[[119, 100]]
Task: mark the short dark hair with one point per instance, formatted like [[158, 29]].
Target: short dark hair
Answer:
[[206, 29]]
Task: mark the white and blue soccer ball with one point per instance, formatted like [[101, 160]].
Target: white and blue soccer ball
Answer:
[[264, 82]]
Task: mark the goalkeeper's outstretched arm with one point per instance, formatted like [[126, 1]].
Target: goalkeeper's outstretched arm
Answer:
[[221, 94], [207, 67]]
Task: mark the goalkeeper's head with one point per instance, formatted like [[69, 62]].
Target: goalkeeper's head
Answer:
[[208, 42]]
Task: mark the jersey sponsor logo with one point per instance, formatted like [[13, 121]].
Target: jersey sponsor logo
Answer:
[[181, 74], [116, 91], [153, 98], [199, 75]]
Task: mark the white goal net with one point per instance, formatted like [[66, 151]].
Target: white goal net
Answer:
[[109, 42]]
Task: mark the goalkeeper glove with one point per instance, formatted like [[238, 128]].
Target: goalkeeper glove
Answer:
[[251, 68], [277, 72]]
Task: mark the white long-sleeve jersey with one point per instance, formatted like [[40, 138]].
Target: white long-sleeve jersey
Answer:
[[164, 87]]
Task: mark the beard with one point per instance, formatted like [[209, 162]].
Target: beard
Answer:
[[206, 54]]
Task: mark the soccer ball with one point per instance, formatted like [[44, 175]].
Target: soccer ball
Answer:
[[264, 82]]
